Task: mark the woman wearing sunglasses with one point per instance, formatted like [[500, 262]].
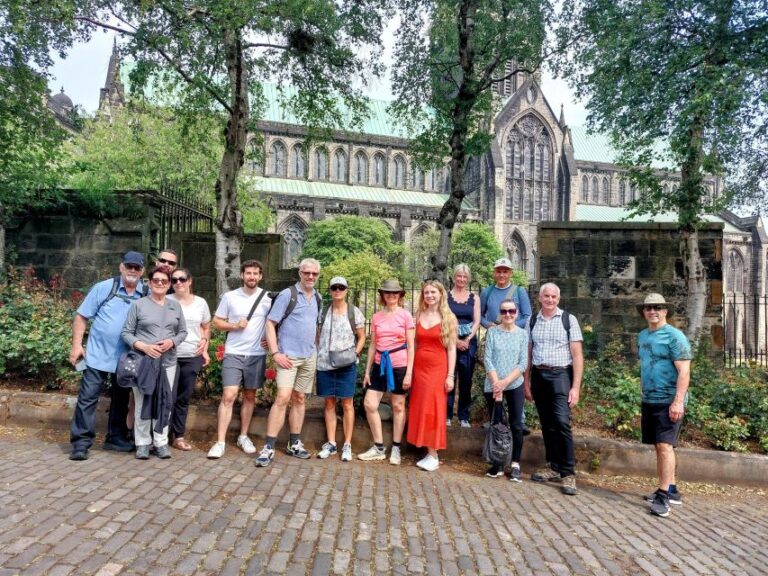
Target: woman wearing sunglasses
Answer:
[[506, 358], [192, 353], [155, 326], [341, 338]]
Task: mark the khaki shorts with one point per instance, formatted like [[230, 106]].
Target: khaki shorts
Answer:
[[301, 377]]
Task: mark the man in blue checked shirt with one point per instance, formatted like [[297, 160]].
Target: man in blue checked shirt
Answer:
[[106, 307]]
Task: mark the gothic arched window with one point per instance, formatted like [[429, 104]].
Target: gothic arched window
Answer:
[[320, 168], [594, 195], [298, 162], [361, 168], [605, 195], [379, 170], [398, 176], [277, 154], [584, 194], [516, 252], [530, 193], [340, 166], [293, 232], [735, 281], [253, 163], [418, 178]]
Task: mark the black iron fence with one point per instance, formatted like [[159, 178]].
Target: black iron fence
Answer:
[[745, 324], [181, 211]]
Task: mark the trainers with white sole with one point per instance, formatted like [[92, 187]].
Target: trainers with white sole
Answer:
[[245, 444], [394, 456], [430, 464], [265, 457], [465, 424], [328, 449], [297, 450], [373, 453], [217, 450], [346, 453]]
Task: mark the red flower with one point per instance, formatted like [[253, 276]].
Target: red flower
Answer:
[[270, 373], [220, 352]]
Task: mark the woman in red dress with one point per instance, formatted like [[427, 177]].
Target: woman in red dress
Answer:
[[433, 370]]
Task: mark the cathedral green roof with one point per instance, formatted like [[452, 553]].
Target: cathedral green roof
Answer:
[[591, 213], [352, 193], [597, 147]]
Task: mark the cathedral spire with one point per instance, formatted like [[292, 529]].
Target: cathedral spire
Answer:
[[562, 117], [113, 92]]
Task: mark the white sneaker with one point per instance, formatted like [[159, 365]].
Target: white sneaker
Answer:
[[326, 450], [421, 462], [448, 422], [216, 451], [431, 463], [394, 456], [465, 424], [346, 453], [245, 444], [373, 453]]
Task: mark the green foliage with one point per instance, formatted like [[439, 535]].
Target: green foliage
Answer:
[[257, 215], [418, 256], [475, 245], [35, 330], [360, 269], [329, 240]]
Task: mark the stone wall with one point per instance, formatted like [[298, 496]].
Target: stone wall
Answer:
[[605, 268]]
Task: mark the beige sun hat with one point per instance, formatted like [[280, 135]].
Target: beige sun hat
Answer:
[[392, 285], [654, 298]]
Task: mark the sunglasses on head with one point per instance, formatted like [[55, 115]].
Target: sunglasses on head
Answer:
[[179, 280], [337, 288], [169, 262], [508, 311], [134, 267], [159, 281], [656, 307]]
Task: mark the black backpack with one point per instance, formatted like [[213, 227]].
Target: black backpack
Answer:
[[113, 293], [350, 316], [292, 304], [566, 318]]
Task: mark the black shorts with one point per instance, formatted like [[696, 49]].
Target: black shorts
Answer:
[[379, 382], [656, 425]]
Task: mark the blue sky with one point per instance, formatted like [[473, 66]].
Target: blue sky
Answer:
[[84, 70]]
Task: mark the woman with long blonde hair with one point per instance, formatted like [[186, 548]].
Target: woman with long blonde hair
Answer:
[[433, 373]]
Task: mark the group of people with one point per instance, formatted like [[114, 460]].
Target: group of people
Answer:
[[430, 357]]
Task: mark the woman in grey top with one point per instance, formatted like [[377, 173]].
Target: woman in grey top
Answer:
[[506, 358], [155, 326]]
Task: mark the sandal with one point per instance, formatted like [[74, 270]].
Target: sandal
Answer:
[[181, 444]]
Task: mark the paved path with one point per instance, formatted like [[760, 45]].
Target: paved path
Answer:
[[115, 515]]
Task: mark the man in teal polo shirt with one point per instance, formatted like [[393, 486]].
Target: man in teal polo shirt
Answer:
[[106, 308], [665, 371]]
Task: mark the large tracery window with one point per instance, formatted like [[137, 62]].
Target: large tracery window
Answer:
[[735, 280], [530, 183]]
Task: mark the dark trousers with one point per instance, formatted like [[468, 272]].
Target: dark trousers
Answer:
[[515, 399], [83, 428], [186, 376], [550, 390], [465, 367]]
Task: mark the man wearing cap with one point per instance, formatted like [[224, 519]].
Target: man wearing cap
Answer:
[[492, 296], [106, 306], [296, 311], [665, 370], [553, 382]]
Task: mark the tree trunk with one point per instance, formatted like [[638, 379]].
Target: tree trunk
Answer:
[[229, 219], [696, 279], [2, 243]]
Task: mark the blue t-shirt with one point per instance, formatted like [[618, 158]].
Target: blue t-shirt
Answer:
[[296, 336], [105, 344], [658, 351], [494, 296]]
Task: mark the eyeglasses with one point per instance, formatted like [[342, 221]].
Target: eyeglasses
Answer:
[[134, 267], [309, 273], [508, 311], [179, 280], [337, 288], [169, 262], [655, 307], [159, 281]]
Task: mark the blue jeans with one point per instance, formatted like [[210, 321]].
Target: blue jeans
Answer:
[[83, 428]]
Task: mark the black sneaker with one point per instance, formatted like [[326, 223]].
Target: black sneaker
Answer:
[[675, 498], [78, 454], [660, 506], [494, 472], [514, 474], [119, 445]]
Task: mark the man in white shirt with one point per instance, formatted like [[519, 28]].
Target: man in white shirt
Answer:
[[242, 313]]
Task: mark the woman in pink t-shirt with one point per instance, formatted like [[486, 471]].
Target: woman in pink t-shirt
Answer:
[[389, 368]]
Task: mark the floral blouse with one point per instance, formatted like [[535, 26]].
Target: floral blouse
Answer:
[[343, 337]]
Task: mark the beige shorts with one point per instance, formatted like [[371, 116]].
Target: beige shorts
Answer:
[[301, 377]]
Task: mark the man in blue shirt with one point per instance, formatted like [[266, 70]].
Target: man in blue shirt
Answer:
[[294, 351], [492, 296], [106, 308], [665, 370]]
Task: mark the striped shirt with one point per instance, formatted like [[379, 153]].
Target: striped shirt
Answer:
[[550, 340]]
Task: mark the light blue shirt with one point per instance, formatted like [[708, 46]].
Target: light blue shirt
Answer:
[[658, 350], [496, 295], [505, 351], [105, 345], [296, 335]]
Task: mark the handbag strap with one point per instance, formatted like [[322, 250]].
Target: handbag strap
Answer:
[[499, 415]]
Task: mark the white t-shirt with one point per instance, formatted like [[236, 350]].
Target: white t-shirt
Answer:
[[195, 314], [235, 305]]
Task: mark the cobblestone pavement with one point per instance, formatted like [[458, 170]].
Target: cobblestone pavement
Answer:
[[115, 515]]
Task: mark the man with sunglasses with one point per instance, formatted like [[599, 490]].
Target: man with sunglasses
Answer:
[[168, 257], [665, 371], [553, 382], [106, 306], [296, 312]]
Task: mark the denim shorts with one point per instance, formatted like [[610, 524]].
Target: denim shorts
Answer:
[[338, 383]]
